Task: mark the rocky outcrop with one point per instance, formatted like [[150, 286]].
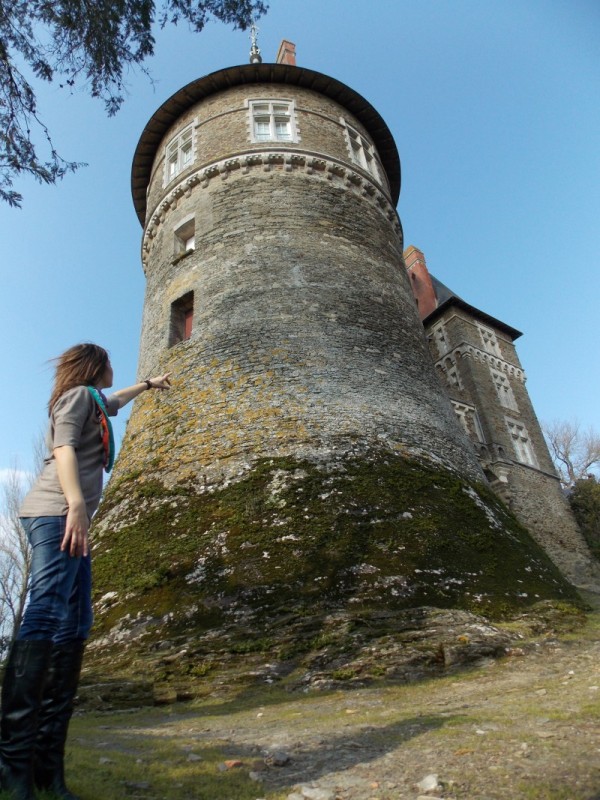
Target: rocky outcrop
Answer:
[[308, 570]]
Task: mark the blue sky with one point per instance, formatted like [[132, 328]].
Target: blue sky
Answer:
[[495, 109]]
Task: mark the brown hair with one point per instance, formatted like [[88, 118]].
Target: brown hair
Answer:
[[81, 365]]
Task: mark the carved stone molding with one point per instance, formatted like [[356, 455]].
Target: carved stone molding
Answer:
[[471, 351], [267, 160]]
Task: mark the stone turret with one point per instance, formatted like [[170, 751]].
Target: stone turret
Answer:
[[303, 335], [306, 465]]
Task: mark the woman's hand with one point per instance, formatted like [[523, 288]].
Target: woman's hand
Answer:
[[75, 539], [161, 381], [124, 396]]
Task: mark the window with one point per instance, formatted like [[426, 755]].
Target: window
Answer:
[[469, 419], [361, 151], [451, 372], [490, 342], [273, 121], [504, 390], [180, 153], [182, 317], [521, 443], [454, 378], [440, 337], [185, 237]]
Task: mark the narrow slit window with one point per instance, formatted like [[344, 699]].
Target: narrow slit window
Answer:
[[182, 319], [185, 237]]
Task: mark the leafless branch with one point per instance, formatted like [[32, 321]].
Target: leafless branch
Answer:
[[575, 452]]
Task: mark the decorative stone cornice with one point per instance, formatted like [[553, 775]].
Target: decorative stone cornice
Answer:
[[265, 160], [465, 350], [247, 75]]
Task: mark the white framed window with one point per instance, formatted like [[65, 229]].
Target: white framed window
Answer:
[[361, 150], [179, 153], [440, 338], [469, 419], [490, 341], [504, 390], [521, 442], [185, 236], [273, 121]]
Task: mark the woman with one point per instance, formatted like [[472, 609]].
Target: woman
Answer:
[[42, 671]]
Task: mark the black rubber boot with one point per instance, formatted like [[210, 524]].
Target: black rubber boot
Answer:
[[55, 714], [24, 678]]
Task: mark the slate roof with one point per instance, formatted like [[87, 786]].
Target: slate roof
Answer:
[[447, 298]]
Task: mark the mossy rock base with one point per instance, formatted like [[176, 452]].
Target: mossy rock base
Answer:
[[338, 568]]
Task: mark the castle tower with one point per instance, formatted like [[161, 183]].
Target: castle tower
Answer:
[[306, 466], [479, 367], [275, 288]]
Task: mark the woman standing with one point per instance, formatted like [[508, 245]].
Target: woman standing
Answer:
[[42, 671]]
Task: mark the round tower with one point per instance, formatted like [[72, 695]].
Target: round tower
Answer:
[[276, 290], [306, 466]]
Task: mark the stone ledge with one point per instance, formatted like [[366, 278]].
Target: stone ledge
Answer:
[[328, 169]]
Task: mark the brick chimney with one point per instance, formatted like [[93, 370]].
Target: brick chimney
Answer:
[[420, 281], [286, 53]]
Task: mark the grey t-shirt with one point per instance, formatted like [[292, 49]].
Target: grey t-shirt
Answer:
[[74, 421]]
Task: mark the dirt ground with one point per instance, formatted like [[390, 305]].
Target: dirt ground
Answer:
[[526, 726]]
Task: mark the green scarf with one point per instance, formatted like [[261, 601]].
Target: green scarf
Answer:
[[108, 440]]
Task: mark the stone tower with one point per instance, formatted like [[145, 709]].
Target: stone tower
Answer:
[[478, 365], [306, 467], [275, 287]]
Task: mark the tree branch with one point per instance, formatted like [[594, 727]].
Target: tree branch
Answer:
[[80, 42]]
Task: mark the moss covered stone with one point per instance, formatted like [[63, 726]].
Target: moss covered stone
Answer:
[[296, 557]]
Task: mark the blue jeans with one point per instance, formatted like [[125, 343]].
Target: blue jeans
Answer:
[[59, 603]]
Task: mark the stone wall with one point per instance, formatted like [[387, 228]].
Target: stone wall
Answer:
[[531, 490], [305, 335], [538, 498]]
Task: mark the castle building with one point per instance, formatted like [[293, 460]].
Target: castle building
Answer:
[[309, 467], [327, 317], [479, 368]]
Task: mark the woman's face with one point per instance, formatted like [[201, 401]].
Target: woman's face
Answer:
[[106, 381]]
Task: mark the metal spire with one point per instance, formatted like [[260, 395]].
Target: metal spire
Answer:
[[255, 56]]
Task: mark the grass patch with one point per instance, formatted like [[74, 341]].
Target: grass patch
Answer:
[[108, 760]]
